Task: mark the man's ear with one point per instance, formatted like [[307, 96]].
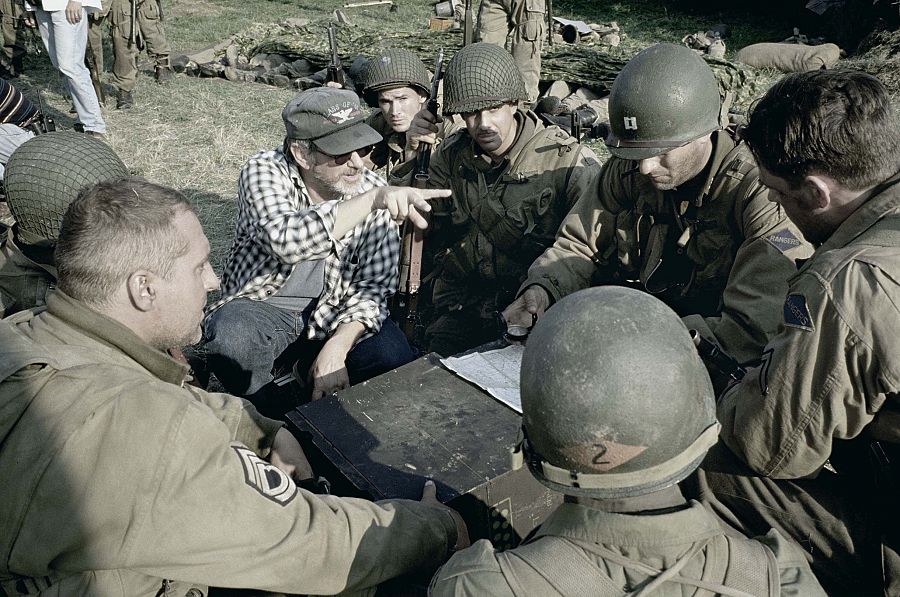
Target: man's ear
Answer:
[[817, 190], [302, 160], [142, 289]]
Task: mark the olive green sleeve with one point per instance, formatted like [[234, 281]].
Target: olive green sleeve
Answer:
[[757, 282], [820, 378], [586, 237], [222, 517], [247, 426]]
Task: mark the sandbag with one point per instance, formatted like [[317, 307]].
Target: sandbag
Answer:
[[789, 58]]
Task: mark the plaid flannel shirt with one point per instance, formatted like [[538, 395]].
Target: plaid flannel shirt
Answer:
[[279, 226]]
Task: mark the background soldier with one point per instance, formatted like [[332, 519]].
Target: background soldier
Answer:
[[817, 421], [38, 197], [679, 212], [637, 418], [128, 37], [12, 26], [513, 182], [525, 20], [397, 83]]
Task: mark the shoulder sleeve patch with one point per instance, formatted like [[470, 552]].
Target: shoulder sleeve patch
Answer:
[[796, 313], [270, 481], [784, 240]]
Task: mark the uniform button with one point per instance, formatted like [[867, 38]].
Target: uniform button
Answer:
[[194, 593]]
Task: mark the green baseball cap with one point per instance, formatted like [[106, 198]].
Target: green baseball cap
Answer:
[[331, 118]]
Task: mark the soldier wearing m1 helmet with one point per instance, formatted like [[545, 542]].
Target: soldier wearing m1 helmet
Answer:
[[679, 212], [513, 181], [397, 83], [43, 176], [637, 419]]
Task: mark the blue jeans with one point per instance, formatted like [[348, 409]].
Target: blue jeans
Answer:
[[244, 338], [65, 44], [11, 137]]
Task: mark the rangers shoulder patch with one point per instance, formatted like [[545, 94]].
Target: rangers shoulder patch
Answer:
[[267, 479], [784, 240], [796, 313]]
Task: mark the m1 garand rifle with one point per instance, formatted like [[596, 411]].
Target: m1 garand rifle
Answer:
[[468, 24], [550, 24], [132, 36], [47, 124], [335, 68], [406, 300]]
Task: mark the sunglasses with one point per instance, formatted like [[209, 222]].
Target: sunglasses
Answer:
[[343, 158]]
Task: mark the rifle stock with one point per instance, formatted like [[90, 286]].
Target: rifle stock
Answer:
[[335, 68], [407, 297], [468, 24]]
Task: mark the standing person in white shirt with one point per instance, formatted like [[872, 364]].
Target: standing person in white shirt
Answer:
[[63, 25]]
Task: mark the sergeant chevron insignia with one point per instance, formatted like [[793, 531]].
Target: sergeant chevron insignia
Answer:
[[267, 479]]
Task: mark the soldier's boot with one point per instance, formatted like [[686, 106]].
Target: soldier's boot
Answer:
[[124, 99], [164, 74]]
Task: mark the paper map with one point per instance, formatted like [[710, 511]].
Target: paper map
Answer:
[[494, 371]]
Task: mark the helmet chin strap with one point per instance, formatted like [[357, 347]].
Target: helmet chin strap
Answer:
[[571, 478]]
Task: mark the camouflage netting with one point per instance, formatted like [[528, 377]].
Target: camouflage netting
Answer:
[[879, 55], [594, 67]]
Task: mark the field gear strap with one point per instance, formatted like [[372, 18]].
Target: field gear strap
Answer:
[[570, 574]]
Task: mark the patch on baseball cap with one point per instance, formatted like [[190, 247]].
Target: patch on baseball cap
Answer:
[[331, 118]]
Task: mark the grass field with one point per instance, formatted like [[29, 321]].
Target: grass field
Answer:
[[195, 134]]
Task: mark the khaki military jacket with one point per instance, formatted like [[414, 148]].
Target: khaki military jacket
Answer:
[[833, 369], [114, 476], [721, 253], [501, 217], [23, 283], [584, 551]]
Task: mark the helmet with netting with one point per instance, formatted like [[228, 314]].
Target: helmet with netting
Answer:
[[616, 401], [481, 76], [665, 97], [394, 67], [46, 173]]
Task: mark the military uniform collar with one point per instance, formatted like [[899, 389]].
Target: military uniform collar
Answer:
[[17, 256], [526, 124], [115, 335], [882, 200], [694, 523], [722, 145]]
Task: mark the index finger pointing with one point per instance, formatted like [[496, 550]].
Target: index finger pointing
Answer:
[[434, 193]]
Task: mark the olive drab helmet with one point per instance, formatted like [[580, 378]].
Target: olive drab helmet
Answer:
[[665, 97], [394, 67], [481, 76], [616, 402], [46, 173]]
